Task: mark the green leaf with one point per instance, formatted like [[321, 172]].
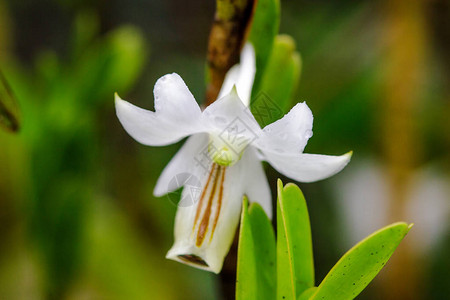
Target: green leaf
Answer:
[[278, 83], [256, 255], [354, 271], [307, 294], [9, 115], [266, 22], [295, 266]]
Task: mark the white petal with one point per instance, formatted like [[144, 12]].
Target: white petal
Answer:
[[191, 154], [242, 75], [219, 233], [307, 167], [231, 79], [172, 96], [228, 110], [176, 115], [290, 134], [231, 126], [256, 187]]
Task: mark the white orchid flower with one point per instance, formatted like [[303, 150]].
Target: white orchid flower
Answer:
[[223, 157]]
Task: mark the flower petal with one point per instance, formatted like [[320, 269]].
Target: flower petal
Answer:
[[290, 134], [228, 110], [172, 96], [242, 75], [190, 155], [257, 187], [231, 79], [176, 115], [231, 126], [205, 230], [307, 167]]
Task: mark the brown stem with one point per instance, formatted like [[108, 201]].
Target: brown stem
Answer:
[[228, 32]]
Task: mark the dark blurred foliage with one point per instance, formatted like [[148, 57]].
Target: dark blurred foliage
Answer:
[[78, 219]]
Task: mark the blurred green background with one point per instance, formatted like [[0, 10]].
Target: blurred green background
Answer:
[[77, 215]]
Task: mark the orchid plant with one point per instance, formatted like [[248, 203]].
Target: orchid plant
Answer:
[[220, 169], [224, 151]]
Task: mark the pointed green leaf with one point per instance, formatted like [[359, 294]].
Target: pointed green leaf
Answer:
[[295, 266], [9, 116], [256, 255], [266, 22], [354, 271], [278, 83]]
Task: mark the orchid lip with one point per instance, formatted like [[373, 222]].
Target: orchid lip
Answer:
[[193, 259]]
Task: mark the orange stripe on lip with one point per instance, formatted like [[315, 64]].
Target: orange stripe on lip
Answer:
[[200, 204], [219, 204], [205, 220]]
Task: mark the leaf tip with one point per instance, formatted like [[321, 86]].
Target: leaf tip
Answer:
[[279, 184], [245, 201], [287, 41]]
